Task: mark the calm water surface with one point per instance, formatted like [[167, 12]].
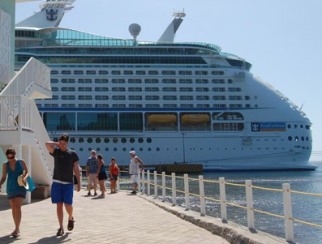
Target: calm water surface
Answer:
[[306, 208]]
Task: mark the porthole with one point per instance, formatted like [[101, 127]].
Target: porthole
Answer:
[[141, 149], [158, 149], [106, 149], [140, 140], [149, 149], [98, 140], [302, 138], [290, 138], [72, 140], [132, 140], [89, 140], [98, 149], [296, 138], [115, 140], [81, 140], [124, 149], [115, 149], [295, 126], [148, 140], [81, 149], [106, 140], [123, 140], [289, 126]]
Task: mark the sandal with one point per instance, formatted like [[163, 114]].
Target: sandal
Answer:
[[70, 225], [15, 234], [60, 232]]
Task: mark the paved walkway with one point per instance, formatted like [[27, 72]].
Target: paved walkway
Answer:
[[119, 218]]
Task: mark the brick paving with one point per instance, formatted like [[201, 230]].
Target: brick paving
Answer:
[[119, 218]]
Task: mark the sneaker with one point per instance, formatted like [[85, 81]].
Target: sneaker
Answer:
[[95, 194], [89, 194]]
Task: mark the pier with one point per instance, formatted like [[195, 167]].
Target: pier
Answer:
[[120, 218]]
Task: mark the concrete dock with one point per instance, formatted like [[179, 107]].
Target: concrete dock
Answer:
[[119, 218]]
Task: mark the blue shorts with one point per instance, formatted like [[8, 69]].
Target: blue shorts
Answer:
[[62, 193]]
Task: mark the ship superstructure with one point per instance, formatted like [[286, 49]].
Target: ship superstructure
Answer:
[[171, 102]]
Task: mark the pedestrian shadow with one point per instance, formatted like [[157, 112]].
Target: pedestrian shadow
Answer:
[[53, 239], [8, 239]]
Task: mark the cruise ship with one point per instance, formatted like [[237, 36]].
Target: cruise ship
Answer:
[[171, 102]]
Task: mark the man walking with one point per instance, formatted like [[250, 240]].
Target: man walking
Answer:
[[134, 171], [92, 173], [62, 189]]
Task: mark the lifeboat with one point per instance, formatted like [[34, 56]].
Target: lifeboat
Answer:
[[162, 119], [195, 119]]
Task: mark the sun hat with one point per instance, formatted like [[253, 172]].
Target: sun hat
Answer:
[[132, 152], [22, 183]]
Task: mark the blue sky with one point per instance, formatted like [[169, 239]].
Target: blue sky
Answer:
[[281, 38]]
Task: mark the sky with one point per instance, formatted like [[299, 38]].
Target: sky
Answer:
[[282, 39]]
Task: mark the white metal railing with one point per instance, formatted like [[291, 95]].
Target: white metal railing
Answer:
[[151, 179], [33, 73]]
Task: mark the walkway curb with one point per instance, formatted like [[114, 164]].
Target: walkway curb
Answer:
[[233, 233]]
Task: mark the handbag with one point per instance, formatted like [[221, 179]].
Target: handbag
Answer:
[[30, 184]]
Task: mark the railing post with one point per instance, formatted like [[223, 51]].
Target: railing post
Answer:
[[223, 204], [139, 182], [163, 186], [143, 182], [155, 179], [174, 189], [202, 196], [287, 202], [250, 205], [148, 182], [186, 191]]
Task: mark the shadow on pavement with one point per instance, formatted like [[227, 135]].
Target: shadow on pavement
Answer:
[[53, 239]]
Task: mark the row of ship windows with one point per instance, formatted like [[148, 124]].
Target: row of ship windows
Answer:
[[139, 81], [221, 106], [137, 72], [149, 97], [147, 89]]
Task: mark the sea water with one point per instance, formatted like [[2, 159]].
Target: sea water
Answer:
[[304, 207]]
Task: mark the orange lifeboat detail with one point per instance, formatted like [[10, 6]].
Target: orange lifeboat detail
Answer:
[[162, 119], [195, 119]]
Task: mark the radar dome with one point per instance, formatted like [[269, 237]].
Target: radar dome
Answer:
[[135, 29]]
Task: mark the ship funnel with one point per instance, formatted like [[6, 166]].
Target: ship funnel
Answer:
[[169, 33], [134, 30]]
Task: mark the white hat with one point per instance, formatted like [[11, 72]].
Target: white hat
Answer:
[[132, 152], [93, 151], [22, 183]]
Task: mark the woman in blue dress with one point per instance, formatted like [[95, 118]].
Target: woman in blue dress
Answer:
[[16, 193]]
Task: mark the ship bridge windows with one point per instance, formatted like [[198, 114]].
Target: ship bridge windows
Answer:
[[186, 105], [161, 122], [203, 106], [221, 106], [101, 105], [55, 121], [195, 122], [171, 105], [135, 105], [131, 122], [96, 121], [151, 105], [227, 116]]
